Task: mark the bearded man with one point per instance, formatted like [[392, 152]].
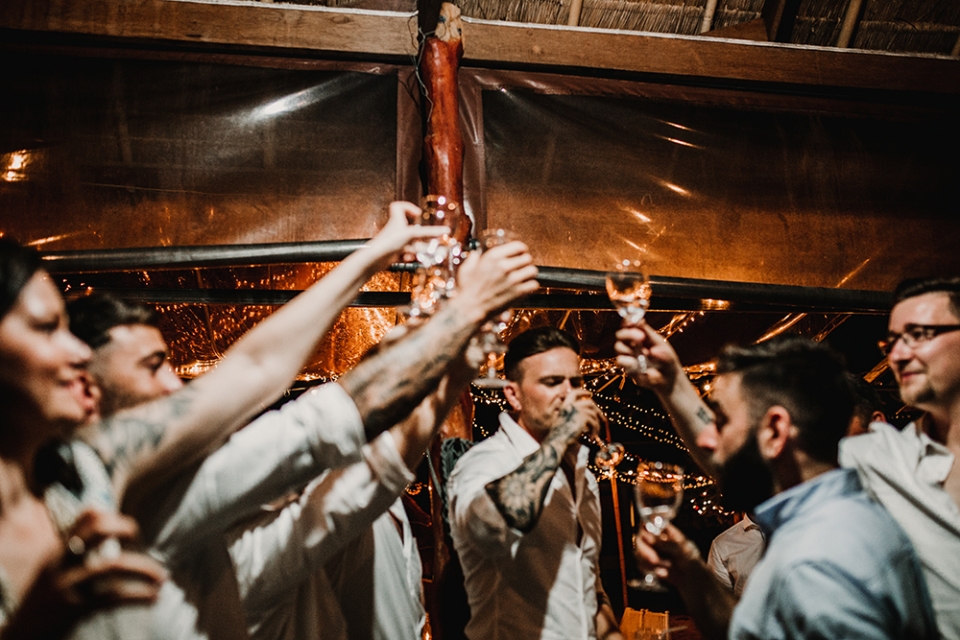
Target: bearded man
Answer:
[[836, 565]]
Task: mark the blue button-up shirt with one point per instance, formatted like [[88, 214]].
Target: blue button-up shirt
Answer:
[[836, 566]]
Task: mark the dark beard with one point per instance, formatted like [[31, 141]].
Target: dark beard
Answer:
[[745, 479]]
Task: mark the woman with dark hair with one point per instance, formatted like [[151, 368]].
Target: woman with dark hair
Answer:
[[50, 579]]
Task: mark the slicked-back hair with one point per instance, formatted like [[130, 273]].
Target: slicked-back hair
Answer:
[[918, 286], [806, 378], [17, 265], [93, 315], [534, 341]]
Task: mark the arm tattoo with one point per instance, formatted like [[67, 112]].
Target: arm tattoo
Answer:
[[122, 438], [519, 496], [704, 416], [389, 385]]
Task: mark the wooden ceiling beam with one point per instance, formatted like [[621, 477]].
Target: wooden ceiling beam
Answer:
[[490, 44]]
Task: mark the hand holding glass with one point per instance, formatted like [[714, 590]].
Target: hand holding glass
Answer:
[[658, 493], [628, 288], [489, 337], [434, 280]]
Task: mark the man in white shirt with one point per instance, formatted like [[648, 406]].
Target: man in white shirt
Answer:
[[735, 552], [185, 519], [914, 472], [528, 537]]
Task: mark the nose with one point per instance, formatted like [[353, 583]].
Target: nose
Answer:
[[707, 439], [78, 351], [169, 380], [900, 352]]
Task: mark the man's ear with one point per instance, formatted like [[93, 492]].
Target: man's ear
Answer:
[[775, 432], [512, 394]]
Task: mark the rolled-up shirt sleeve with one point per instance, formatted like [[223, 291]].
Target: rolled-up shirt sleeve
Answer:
[[279, 452], [474, 518], [284, 547]]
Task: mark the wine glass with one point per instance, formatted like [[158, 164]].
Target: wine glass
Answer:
[[628, 288], [434, 279], [658, 492], [489, 337], [609, 454]]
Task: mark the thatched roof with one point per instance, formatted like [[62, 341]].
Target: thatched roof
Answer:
[[903, 26]]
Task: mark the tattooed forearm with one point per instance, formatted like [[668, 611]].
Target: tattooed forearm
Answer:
[[389, 385], [704, 416], [122, 438], [520, 495]]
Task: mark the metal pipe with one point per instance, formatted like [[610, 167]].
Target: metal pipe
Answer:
[[670, 294], [226, 255]]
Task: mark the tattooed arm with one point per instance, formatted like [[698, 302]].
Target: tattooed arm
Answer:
[[389, 385], [168, 435], [691, 415], [519, 496]]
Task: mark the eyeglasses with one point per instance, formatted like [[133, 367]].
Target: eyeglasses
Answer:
[[914, 334]]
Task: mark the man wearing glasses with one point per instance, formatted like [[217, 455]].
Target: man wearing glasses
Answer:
[[914, 473]]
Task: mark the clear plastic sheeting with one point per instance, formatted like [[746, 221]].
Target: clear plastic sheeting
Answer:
[[712, 191], [99, 152]]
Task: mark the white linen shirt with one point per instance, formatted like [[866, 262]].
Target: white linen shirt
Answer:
[[378, 580], [541, 584], [735, 552], [280, 451], [280, 557], [905, 471]]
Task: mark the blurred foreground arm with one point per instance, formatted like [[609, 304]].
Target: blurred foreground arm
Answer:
[[170, 434]]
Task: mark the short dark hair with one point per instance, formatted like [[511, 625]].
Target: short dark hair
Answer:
[[807, 378], [93, 315], [914, 287], [534, 341], [17, 265], [866, 400]]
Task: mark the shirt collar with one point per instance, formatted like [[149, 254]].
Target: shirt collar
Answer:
[[522, 441], [934, 460], [798, 500]]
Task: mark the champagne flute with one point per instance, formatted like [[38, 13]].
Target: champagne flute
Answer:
[[489, 337], [434, 279], [628, 288], [658, 493]]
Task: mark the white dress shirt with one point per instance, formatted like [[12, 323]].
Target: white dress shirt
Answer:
[[540, 584], [735, 552], [280, 558], [378, 581], [905, 471], [280, 451]]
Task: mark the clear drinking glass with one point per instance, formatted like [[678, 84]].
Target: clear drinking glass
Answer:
[[658, 492], [434, 280], [628, 288], [489, 337], [609, 454]]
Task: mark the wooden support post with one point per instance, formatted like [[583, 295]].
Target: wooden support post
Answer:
[[443, 143], [851, 18]]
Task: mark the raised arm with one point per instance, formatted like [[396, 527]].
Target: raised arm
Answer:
[[519, 495], [387, 386], [167, 435], [691, 416]]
